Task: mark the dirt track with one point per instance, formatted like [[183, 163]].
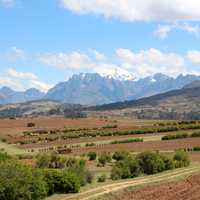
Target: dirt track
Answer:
[[105, 189], [188, 189]]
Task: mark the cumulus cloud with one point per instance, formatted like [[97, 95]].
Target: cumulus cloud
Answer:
[[134, 10], [91, 61], [151, 61], [22, 80], [74, 60], [163, 30], [128, 63]]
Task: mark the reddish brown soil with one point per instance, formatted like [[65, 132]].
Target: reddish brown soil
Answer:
[[143, 146], [16, 127], [188, 189], [195, 156]]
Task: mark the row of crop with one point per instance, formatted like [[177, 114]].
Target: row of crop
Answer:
[[119, 133], [181, 136], [132, 140]]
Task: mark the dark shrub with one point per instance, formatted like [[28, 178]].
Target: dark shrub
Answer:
[[92, 155], [61, 182], [30, 124], [102, 178], [151, 163], [169, 163], [127, 168], [120, 155]]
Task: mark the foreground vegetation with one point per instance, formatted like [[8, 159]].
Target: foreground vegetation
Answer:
[[56, 174]]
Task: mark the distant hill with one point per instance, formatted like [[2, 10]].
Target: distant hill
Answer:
[[37, 108], [8, 95], [176, 104]]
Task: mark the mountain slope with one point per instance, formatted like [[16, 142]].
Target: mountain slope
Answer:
[[8, 95], [93, 89], [176, 104], [89, 89]]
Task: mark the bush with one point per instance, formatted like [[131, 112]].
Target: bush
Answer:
[[147, 163], [181, 159], [116, 173], [61, 182], [104, 158], [195, 134], [92, 155], [20, 182], [151, 163], [102, 178], [120, 155], [196, 148], [176, 136], [169, 163], [127, 168], [30, 124]]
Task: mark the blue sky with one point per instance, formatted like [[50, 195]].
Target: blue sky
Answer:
[[44, 42]]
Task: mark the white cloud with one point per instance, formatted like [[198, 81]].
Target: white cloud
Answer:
[[91, 61], [151, 61], [74, 60], [132, 10], [7, 3], [194, 57], [22, 80], [140, 64], [163, 30], [194, 29], [21, 75]]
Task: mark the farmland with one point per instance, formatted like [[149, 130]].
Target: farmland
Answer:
[[96, 138]]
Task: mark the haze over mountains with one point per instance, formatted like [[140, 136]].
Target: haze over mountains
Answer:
[[94, 89]]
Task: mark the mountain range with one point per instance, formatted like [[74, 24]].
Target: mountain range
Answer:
[[8, 95], [94, 89], [183, 103]]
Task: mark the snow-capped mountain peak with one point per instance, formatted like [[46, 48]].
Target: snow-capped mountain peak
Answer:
[[117, 73]]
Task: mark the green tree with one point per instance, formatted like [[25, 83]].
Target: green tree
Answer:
[[120, 155], [151, 163], [181, 159], [127, 168], [20, 182], [92, 155], [60, 181]]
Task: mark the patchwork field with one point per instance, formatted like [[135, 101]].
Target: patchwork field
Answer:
[[77, 138]]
